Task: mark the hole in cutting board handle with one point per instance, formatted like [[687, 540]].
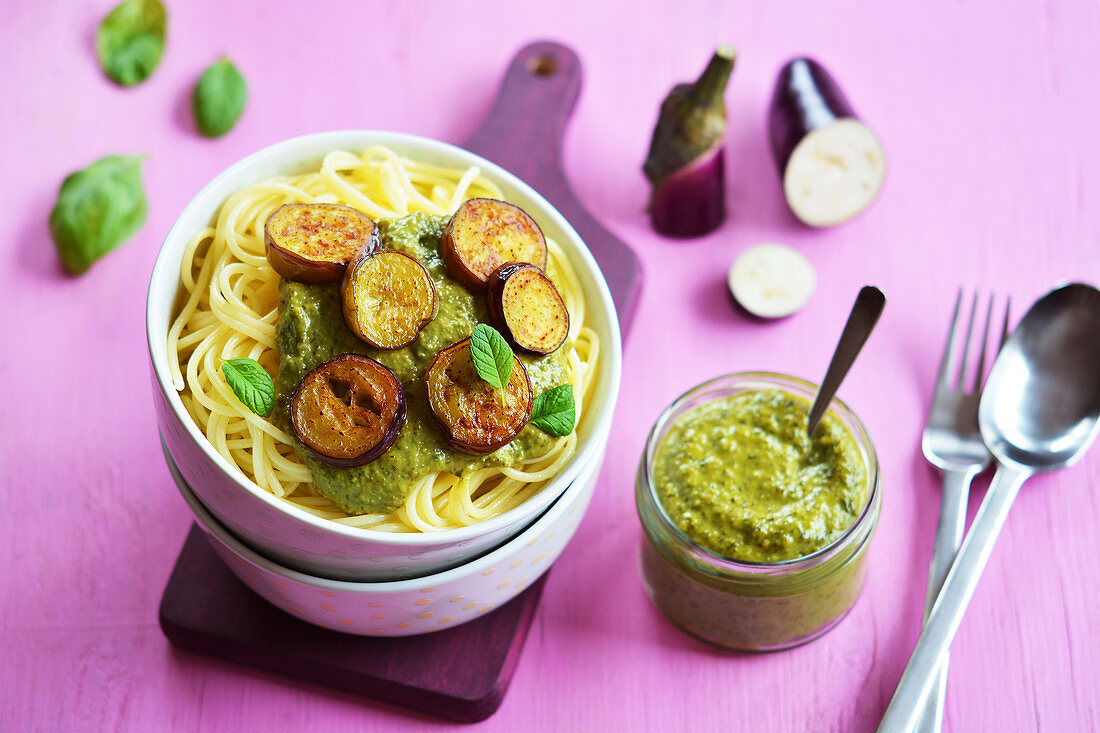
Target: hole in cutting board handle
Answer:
[[542, 65]]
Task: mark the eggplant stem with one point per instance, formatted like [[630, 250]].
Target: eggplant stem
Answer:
[[711, 84]]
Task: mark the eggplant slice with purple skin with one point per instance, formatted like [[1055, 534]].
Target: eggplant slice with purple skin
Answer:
[[388, 298], [483, 234], [469, 410], [686, 161], [526, 307], [831, 164], [314, 243], [348, 410]]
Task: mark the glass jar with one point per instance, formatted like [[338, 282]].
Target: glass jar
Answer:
[[756, 606]]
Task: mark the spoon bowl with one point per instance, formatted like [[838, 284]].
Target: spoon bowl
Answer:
[[1040, 405]]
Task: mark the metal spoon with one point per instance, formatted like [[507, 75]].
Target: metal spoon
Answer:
[[865, 312], [1040, 411]]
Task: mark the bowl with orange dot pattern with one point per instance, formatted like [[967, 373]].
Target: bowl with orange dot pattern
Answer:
[[403, 607]]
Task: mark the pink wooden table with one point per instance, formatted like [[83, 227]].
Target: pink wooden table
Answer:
[[988, 111]]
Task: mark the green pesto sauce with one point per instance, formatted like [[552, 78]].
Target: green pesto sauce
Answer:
[[740, 476], [311, 330]]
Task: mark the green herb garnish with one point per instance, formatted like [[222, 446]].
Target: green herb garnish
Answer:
[[130, 41], [492, 356], [219, 98], [97, 209], [555, 411], [251, 383]]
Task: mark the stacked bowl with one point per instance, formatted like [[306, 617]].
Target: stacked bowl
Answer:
[[360, 580]]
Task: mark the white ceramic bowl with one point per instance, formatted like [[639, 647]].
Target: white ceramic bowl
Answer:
[[281, 530], [404, 607]]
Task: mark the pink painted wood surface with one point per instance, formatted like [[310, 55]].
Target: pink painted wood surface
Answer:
[[987, 110]]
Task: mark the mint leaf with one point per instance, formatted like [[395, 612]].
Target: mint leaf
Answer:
[[251, 383], [130, 41], [97, 209], [219, 98], [555, 411], [491, 355]]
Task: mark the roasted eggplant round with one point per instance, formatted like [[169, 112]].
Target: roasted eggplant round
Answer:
[[348, 410], [474, 416], [526, 307], [314, 243], [388, 297], [484, 234]]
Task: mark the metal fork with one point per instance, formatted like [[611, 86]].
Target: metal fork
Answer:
[[952, 443]]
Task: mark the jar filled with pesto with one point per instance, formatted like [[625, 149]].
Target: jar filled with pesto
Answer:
[[755, 532]]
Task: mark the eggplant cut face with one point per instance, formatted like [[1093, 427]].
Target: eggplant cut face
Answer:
[[526, 307], [388, 297], [348, 410], [471, 413], [314, 243], [483, 234]]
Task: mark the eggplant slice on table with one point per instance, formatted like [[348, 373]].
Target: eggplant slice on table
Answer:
[[831, 164]]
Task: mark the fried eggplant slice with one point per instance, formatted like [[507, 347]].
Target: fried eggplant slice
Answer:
[[388, 298], [470, 411], [348, 410], [314, 243], [484, 234], [526, 307]]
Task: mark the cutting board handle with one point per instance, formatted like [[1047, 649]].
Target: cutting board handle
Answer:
[[523, 131]]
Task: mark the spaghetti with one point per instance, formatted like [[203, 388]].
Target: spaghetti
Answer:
[[231, 310]]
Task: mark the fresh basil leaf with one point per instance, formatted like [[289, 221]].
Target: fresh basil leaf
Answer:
[[130, 41], [555, 411], [219, 98], [251, 383], [97, 209], [491, 355]]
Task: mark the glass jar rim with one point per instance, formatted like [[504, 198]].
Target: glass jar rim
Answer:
[[779, 380]]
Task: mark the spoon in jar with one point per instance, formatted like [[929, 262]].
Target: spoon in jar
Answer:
[[1040, 411], [861, 321]]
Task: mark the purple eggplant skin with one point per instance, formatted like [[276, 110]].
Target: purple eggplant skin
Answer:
[[806, 98], [685, 165]]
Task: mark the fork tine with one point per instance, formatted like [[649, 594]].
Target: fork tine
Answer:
[[949, 347], [1004, 329], [979, 374], [966, 345]]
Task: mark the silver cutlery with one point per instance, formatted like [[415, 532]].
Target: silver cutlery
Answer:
[[952, 443], [1040, 411]]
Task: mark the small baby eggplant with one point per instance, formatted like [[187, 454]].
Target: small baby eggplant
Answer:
[[526, 308], [348, 410], [313, 243], [484, 234], [388, 297], [686, 163], [469, 410], [831, 164]]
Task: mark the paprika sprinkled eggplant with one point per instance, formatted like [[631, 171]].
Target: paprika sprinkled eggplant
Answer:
[[388, 297], [686, 161], [348, 410], [526, 308], [314, 243], [474, 416], [483, 234], [831, 164]]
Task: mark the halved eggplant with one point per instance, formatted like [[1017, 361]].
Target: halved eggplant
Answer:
[[388, 298], [831, 164], [527, 308], [484, 234], [314, 243], [471, 412], [348, 410]]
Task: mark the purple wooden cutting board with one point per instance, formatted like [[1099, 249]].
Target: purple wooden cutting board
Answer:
[[461, 673]]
